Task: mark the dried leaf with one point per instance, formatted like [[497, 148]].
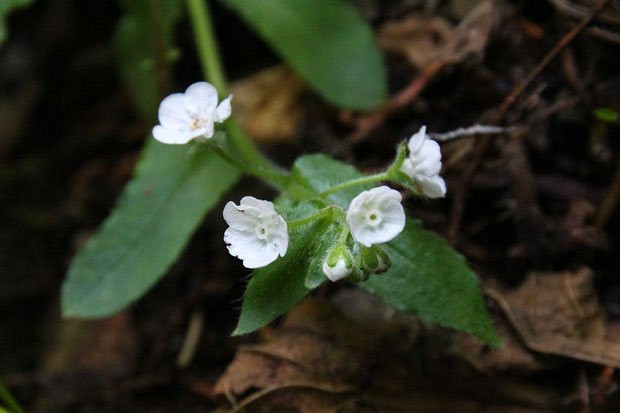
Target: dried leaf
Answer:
[[321, 361], [268, 103], [471, 35], [512, 357], [420, 39], [312, 346], [559, 313], [425, 41]]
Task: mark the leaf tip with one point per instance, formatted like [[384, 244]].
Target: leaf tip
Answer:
[[240, 331], [492, 338]]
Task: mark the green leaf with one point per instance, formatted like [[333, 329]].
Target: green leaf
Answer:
[[276, 288], [6, 8], [144, 48], [431, 280], [172, 190], [326, 42], [427, 277]]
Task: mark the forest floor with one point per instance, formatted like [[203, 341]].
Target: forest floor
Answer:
[[534, 210]]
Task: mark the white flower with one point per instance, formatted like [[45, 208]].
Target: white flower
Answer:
[[424, 163], [257, 234], [376, 216], [338, 271], [185, 116]]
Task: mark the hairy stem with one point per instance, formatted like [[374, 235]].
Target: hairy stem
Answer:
[[360, 181], [321, 213], [268, 174]]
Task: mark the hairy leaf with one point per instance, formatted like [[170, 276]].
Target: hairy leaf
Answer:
[[431, 280], [160, 208], [326, 42]]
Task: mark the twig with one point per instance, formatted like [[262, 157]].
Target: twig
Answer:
[[602, 383], [607, 35], [192, 338], [368, 123], [556, 107], [472, 130], [326, 388], [482, 145], [573, 10], [516, 92]]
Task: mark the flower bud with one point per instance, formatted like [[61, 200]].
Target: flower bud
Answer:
[[375, 260], [338, 263], [424, 164]]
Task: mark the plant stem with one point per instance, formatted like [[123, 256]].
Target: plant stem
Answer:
[[314, 217], [205, 42], [344, 234], [270, 174], [213, 72], [9, 400], [365, 180]]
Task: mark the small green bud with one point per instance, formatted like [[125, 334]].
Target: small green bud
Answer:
[[358, 275], [375, 260]]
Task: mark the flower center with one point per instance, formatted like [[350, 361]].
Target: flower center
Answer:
[[261, 231], [373, 218], [198, 123]]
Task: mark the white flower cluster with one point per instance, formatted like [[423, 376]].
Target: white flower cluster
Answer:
[[258, 235]]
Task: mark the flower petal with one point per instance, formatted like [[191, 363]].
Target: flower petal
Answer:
[[428, 158], [261, 258], [172, 113], [251, 250], [281, 236], [433, 187], [337, 272], [208, 130], [417, 139], [165, 135], [201, 99], [265, 207], [223, 110], [236, 218]]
